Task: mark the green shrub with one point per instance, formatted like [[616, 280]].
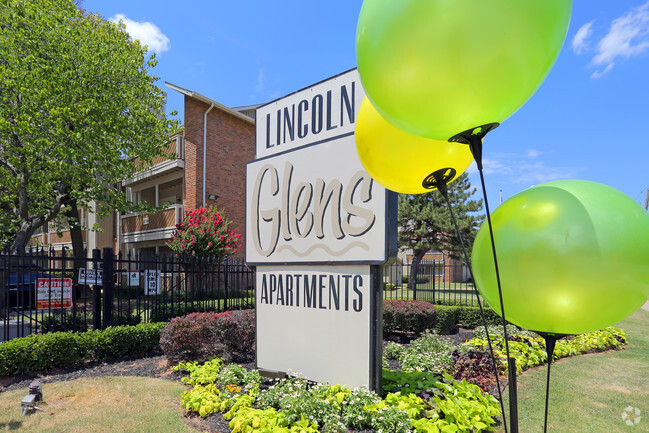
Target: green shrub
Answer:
[[446, 319], [469, 317], [408, 315], [41, 352], [122, 341], [67, 349], [389, 286]]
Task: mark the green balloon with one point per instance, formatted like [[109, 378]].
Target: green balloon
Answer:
[[573, 257], [436, 68]]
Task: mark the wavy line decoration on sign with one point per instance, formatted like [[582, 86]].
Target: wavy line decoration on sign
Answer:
[[325, 248]]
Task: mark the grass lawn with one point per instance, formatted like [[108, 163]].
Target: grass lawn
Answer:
[[589, 393], [107, 404]]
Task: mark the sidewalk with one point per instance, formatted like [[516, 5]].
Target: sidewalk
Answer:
[[646, 306]]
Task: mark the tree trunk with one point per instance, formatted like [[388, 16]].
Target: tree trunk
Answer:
[[76, 231], [22, 239], [78, 251]]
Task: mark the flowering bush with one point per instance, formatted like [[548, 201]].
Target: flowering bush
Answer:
[[204, 232]]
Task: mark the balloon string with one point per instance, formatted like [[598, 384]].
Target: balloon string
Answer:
[[493, 250], [475, 144], [550, 341], [444, 191]]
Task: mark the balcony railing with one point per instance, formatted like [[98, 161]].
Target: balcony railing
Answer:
[[151, 226], [172, 159]]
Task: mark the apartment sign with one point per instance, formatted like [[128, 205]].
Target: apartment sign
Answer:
[[317, 227], [309, 200]]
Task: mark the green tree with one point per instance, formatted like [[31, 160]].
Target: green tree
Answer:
[[79, 112], [425, 222]]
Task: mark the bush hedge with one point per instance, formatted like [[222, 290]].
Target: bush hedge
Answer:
[[408, 315], [448, 317], [200, 336], [417, 316], [67, 349], [166, 311]]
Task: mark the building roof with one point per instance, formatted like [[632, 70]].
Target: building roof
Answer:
[[210, 101]]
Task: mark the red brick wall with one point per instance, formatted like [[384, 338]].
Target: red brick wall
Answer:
[[230, 146]]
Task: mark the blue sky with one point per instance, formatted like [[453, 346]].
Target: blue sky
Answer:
[[589, 120]]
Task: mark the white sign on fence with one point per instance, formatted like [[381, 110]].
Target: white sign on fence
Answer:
[[133, 278], [151, 282], [91, 276]]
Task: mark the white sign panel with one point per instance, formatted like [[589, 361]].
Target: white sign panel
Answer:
[[133, 278], [316, 322], [321, 112], [151, 282], [91, 276], [317, 205], [309, 199]]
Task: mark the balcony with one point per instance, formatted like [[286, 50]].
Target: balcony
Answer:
[[153, 226], [173, 160]]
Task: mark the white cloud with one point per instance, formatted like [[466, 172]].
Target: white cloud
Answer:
[[260, 80], [146, 32], [627, 37], [580, 41], [533, 153], [524, 168]]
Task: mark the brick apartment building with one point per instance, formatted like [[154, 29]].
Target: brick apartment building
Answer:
[[204, 165]]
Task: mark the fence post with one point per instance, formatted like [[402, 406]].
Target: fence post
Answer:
[[108, 287], [226, 278], [96, 294]]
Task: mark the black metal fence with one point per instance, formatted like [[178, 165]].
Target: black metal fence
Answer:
[[439, 282], [47, 290]]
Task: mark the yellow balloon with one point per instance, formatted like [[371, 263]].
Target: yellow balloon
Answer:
[[403, 162]]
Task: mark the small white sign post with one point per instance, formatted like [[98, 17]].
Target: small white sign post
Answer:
[[133, 278], [317, 227], [152, 282], [91, 276]]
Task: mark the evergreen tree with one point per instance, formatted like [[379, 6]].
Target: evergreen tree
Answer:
[[425, 222]]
